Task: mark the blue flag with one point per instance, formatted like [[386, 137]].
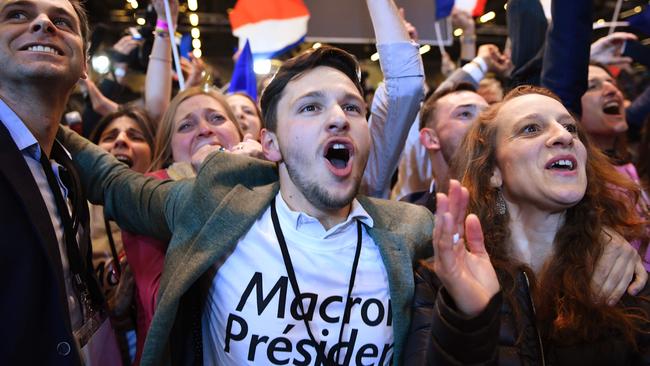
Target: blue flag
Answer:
[[243, 76], [443, 8]]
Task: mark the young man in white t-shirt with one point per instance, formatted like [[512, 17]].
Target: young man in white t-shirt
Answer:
[[282, 263]]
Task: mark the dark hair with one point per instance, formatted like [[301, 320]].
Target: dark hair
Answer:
[[80, 10], [136, 114], [428, 109], [324, 56], [602, 66], [566, 310]]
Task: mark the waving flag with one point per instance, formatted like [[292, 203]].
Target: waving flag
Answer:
[[243, 76], [443, 8], [272, 26], [474, 7]]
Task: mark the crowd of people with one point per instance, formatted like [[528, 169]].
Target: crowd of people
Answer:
[[498, 218]]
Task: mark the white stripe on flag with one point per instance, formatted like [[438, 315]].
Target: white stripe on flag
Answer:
[[272, 35]]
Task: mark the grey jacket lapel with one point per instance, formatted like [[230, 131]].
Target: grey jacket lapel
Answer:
[[399, 267], [398, 248], [187, 260]]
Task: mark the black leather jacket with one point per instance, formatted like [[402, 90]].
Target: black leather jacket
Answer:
[[440, 335]]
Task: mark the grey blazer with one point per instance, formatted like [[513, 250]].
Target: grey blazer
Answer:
[[205, 217]]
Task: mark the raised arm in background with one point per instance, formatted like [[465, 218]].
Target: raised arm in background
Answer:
[[400, 94], [100, 103], [158, 83]]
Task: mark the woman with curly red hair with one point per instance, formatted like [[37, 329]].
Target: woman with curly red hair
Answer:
[[511, 284]]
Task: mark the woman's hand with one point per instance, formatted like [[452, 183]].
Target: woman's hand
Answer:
[[249, 147], [193, 70], [465, 271]]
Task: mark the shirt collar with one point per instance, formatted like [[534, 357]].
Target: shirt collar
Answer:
[[302, 222], [21, 135]]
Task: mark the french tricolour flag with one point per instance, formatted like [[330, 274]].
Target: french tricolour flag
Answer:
[[271, 26], [474, 7]]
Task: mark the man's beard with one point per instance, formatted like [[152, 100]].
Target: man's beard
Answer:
[[314, 192]]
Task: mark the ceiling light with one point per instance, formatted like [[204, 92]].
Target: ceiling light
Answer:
[[487, 17], [194, 19], [262, 66], [101, 64]]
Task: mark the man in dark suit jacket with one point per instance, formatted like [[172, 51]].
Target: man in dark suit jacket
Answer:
[[42, 53]]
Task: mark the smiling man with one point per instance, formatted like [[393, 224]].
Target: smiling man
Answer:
[[50, 294], [282, 262]]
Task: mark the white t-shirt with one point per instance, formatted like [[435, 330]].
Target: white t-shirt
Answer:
[[251, 316]]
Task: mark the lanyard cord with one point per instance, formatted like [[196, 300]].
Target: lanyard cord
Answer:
[[296, 290], [70, 226]]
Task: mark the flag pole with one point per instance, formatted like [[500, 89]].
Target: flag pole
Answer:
[[617, 11], [439, 38], [172, 39]]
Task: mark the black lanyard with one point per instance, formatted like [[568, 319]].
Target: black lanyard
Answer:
[[70, 227], [296, 290]]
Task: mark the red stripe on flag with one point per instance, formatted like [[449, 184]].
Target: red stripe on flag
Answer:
[[253, 11], [479, 8]]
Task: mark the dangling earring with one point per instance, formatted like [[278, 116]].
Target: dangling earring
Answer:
[[501, 203]]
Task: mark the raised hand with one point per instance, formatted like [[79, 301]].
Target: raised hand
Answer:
[[463, 20], [608, 50], [194, 70], [460, 260], [410, 28], [496, 61], [126, 45]]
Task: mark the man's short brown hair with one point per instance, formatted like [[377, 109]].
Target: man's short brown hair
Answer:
[[84, 27], [428, 109], [324, 56]]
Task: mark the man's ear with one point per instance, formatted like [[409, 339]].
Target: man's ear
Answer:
[[84, 68], [429, 139], [270, 146], [496, 180]]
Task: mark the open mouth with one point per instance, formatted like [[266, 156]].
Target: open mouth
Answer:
[[124, 159], [562, 164], [43, 49], [612, 108], [339, 154]]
